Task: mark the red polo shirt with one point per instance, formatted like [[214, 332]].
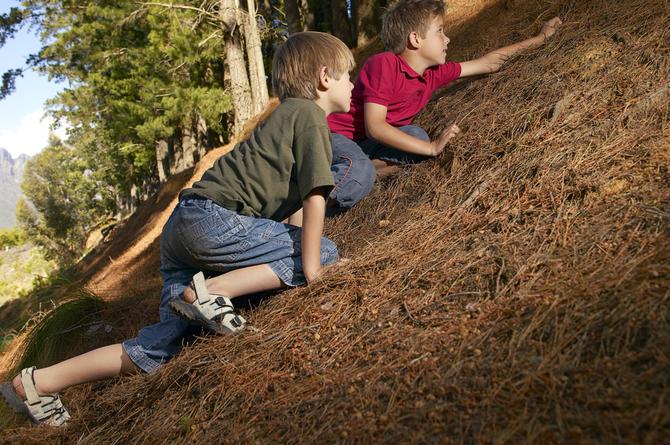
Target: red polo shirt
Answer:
[[386, 79]]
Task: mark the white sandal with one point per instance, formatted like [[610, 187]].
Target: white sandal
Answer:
[[212, 311], [45, 410]]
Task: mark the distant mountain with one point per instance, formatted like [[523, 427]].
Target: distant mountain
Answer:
[[11, 172]]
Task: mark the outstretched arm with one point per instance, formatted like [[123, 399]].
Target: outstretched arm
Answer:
[[314, 209], [491, 62], [377, 128]]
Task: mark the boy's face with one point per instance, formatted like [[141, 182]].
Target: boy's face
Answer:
[[340, 93], [433, 47]]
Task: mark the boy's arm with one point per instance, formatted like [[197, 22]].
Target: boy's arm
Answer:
[[313, 210], [491, 62], [377, 128]]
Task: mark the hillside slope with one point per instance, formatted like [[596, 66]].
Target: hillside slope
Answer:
[[516, 290]]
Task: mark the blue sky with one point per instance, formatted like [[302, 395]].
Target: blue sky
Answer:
[[22, 129]]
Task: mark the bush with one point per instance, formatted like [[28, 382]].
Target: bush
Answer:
[[12, 237]]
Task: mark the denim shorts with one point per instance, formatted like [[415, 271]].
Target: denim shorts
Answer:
[[353, 171], [203, 236]]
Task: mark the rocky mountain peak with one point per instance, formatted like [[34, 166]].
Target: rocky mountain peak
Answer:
[[11, 173]]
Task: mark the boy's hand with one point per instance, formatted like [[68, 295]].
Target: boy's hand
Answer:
[[313, 275], [437, 146], [549, 28]]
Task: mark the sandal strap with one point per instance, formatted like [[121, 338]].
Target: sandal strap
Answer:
[[28, 381], [199, 286], [223, 302], [233, 321]]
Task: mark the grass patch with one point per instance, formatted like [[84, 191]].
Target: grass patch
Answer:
[[12, 237], [60, 331], [22, 268], [4, 340]]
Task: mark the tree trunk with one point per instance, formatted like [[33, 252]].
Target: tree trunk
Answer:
[[366, 15], [239, 81], [183, 150], [259, 86], [307, 15], [340, 21], [292, 16]]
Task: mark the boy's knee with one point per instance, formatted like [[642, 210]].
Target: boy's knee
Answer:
[[356, 182], [329, 253], [415, 131]]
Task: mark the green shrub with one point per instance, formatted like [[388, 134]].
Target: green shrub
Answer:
[[12, 237]]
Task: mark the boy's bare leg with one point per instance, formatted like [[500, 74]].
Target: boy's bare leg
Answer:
[[111, 361], [247, 280], [384, 168], [102, 363], [296, 218]]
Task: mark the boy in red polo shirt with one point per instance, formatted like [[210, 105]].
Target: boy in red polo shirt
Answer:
[[377, 133]]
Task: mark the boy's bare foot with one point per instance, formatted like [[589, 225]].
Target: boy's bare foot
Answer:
[[20, 390], [189, 295], [18, 387], [385, 169]]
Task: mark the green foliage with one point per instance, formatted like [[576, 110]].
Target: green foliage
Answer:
[[57, 334], [41, 291], [66, 200], [9, 23], [136, 74], [9, 82], [22, 269], [12, 237]]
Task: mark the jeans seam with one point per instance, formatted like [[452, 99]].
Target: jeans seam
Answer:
[[345, 175]]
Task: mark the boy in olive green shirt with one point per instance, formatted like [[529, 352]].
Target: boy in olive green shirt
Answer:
[[229, 226]]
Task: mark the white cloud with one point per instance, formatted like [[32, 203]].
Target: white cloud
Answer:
[[30, 136]]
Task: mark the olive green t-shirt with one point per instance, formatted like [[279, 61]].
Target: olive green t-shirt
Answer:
[[270, 174]]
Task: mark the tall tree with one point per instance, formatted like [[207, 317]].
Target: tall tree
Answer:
[[259, 86], [366, 19], [341, 22], [292, 11], [239, 81], [66, 200], [307, 14]]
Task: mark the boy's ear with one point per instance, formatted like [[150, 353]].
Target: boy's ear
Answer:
[[324, 79], [413, 40]]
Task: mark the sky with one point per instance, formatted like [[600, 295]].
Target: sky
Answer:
[[22, 129]]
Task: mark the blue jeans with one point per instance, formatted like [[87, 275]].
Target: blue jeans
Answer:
[[202, 236], [352, 168]]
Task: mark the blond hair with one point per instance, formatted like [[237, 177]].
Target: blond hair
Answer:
[[405, 17], [296, 65]]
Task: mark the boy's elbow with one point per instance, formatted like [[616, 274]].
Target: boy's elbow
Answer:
[[372, 130]]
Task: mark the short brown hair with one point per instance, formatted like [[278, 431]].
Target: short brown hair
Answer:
[[296, 65], [405, 17]]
